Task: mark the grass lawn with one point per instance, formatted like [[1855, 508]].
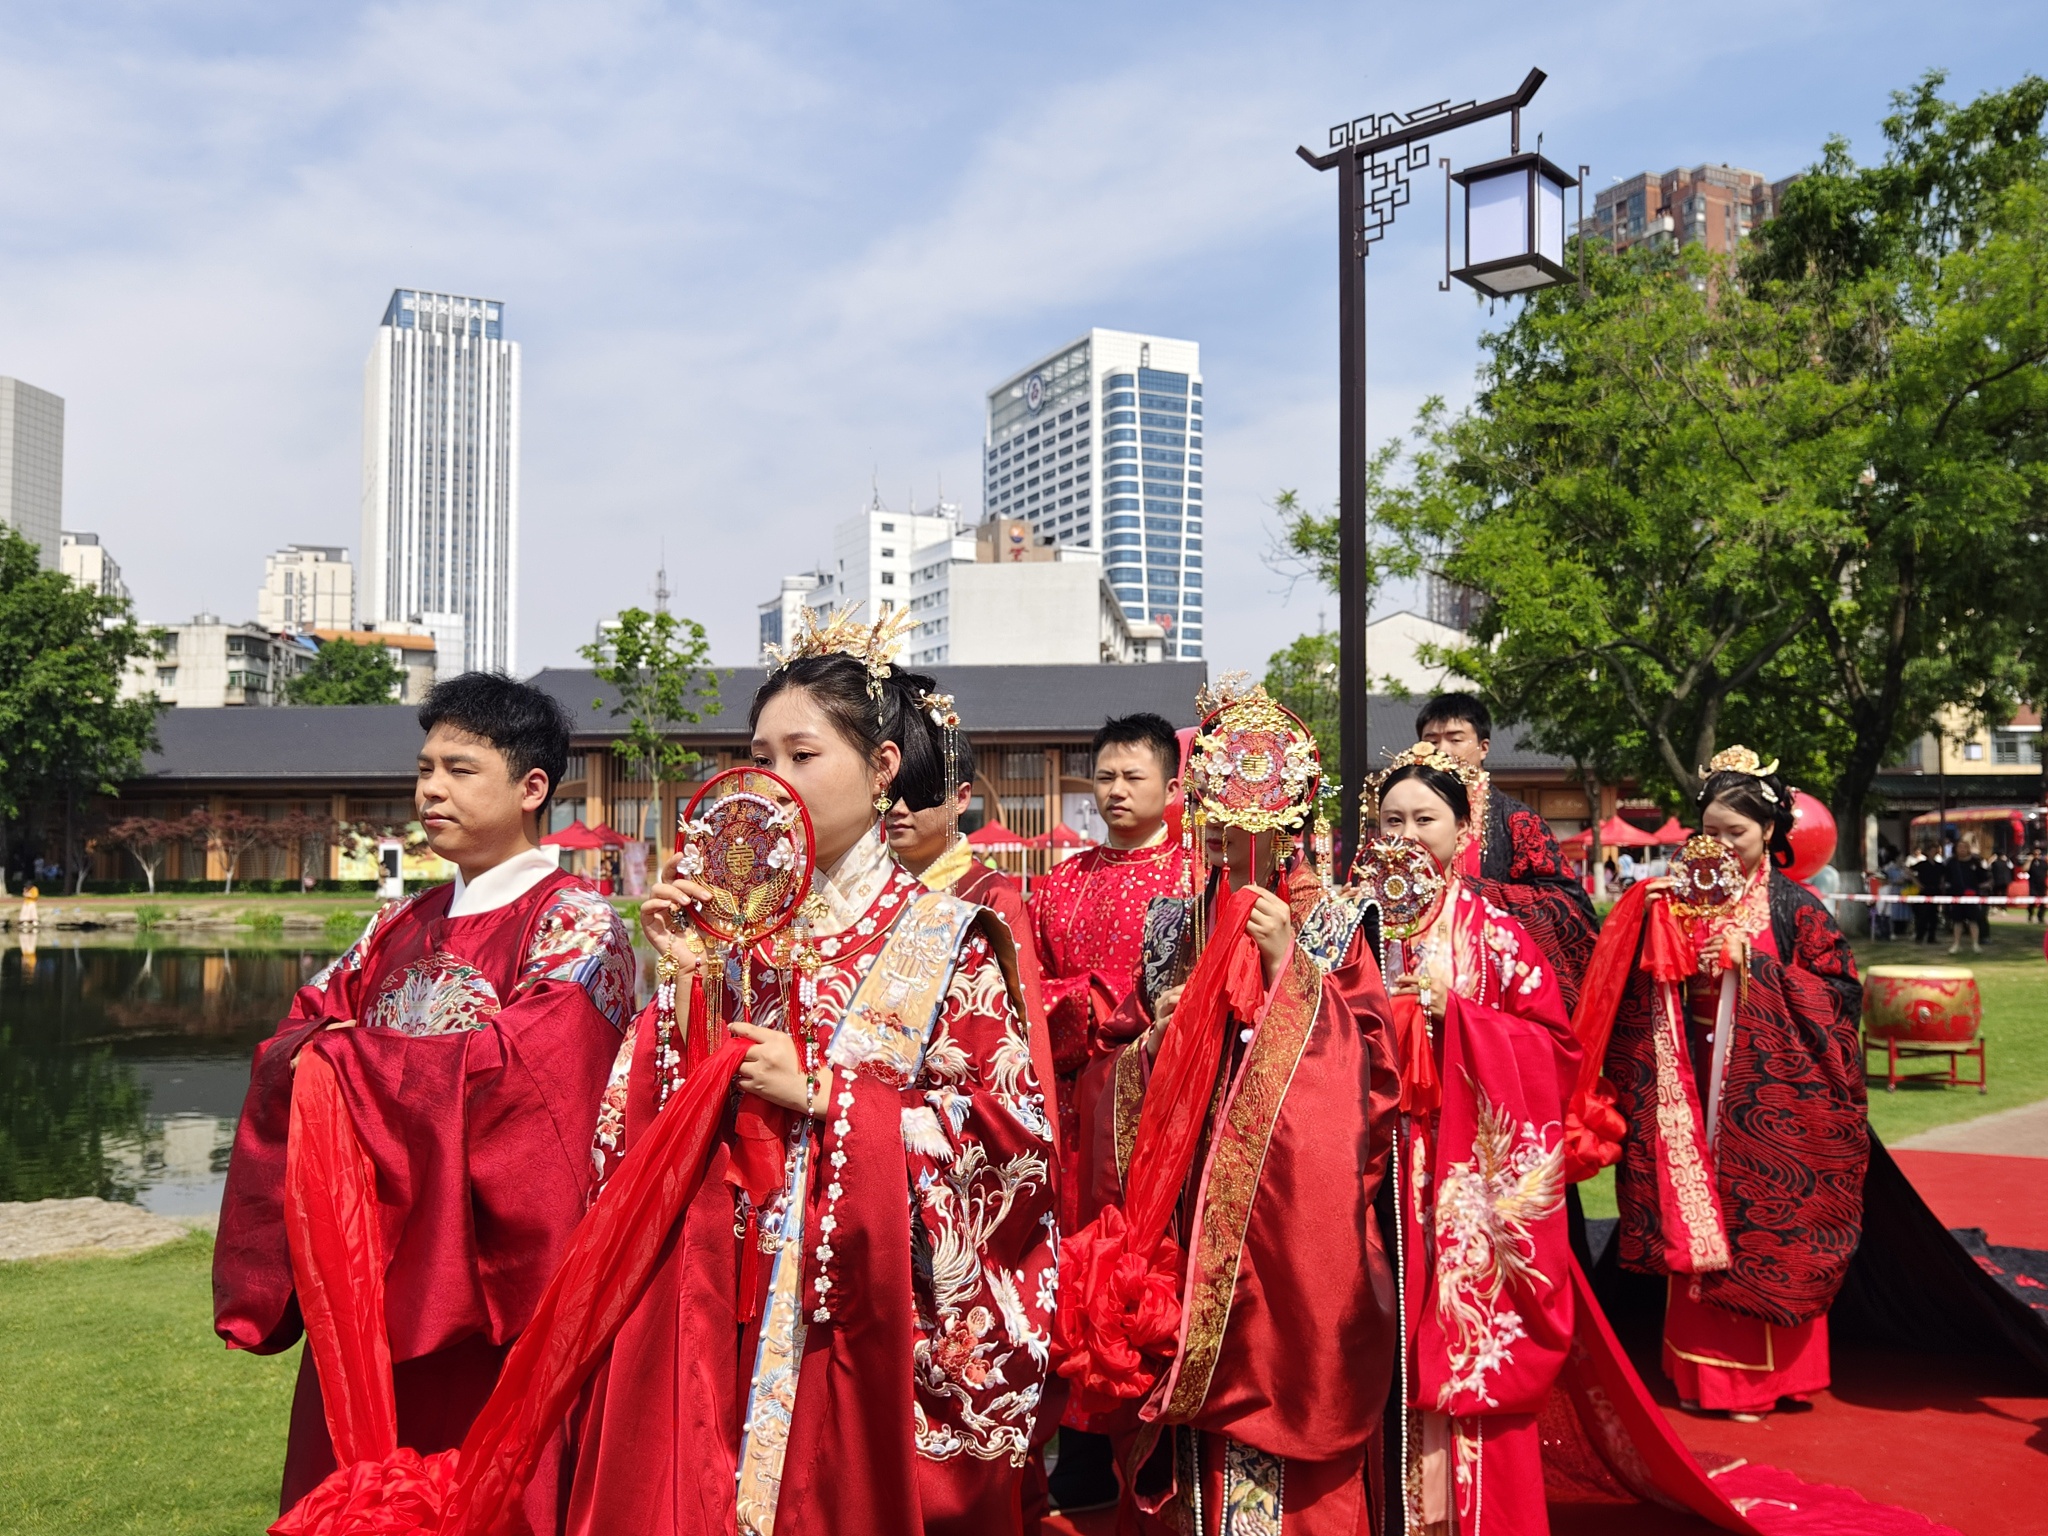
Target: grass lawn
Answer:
[[122, 1412], [2012, 978]]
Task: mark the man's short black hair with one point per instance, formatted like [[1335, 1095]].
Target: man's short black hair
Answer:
[[1142, 730], [529, 726], [1446, 707]]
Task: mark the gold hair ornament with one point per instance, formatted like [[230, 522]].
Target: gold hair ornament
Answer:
[[1744, 760], [875, 646]]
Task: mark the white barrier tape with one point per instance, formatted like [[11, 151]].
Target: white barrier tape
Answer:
[[1943, 901]]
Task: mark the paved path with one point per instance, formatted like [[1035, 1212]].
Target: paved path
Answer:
[[2021, 1132], [35, 1229]]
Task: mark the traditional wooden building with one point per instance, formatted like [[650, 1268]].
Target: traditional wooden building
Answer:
[[1030, 726]]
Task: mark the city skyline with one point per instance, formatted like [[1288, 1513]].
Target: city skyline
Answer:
[[192, 248]]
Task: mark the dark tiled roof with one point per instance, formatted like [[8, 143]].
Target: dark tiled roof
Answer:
[[364, 742], [990, 699], [1391, 722], [338, 742]]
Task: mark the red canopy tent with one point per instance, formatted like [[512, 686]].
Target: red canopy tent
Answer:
[[993, 834], [1061, 836], [1616, 833], [1673, 831], [577, 835]]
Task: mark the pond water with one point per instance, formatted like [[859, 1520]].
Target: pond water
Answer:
[[122, 1067]]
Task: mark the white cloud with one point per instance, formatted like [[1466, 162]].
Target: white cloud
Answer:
[[751, 252]]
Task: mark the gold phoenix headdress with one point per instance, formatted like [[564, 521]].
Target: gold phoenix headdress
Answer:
[[876, 646], [1744, 760], [1253, 764], [1424, 754]]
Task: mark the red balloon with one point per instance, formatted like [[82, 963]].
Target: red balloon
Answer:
[[1812, 836]]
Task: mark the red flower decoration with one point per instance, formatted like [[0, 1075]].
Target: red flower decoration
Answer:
[[1592, 1138], [398, 1496], [1119, 1313]]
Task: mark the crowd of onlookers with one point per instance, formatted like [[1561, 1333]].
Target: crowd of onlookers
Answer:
[[1961, 872]]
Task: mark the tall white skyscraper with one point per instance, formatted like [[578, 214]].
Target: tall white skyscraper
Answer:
[[1100, 444], [441, 477], [32, 465]]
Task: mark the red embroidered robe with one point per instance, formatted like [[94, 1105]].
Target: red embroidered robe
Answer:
[[904, 1397], [472, 1081], [1088, 922], [988, 887], [1779, 1170], [1487, 1279], [1516, 865], [1288, 1324]]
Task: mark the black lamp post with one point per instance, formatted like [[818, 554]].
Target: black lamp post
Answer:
[[1512, 245]]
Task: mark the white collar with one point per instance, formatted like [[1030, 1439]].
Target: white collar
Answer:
[[850, 887], [502, 884]]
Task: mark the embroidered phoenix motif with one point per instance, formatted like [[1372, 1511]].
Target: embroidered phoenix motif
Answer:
[[1484, 1211]]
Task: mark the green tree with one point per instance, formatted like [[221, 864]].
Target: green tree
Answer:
[[345, 672], [656, 663], [66, 734], [1797, 501], [1304, 678]]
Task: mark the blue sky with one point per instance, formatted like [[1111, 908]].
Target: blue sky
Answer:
[[756, 253]]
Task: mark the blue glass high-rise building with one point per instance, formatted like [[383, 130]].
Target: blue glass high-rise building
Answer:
[[1100, 444]]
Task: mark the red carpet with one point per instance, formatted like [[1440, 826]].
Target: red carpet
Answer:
[[2006, 1196]]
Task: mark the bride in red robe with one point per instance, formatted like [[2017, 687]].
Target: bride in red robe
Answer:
[[859, 1349], [1741, 1176], [1267, 1409], [1487, 1059]]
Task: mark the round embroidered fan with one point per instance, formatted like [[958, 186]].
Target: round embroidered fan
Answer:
[[1708, 878], [1402, 878], [1253, 764], [746, 838]]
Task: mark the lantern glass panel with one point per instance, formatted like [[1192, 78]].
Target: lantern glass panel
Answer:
[[1549, 219], [1497, 217]]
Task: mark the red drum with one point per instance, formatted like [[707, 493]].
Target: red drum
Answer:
[[1937, 1004]]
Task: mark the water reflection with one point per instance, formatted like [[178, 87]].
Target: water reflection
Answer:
[[122, 1067]]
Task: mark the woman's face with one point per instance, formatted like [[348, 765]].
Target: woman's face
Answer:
[[1231, 848], [1413, 810], [838, 782], [1736, 832]]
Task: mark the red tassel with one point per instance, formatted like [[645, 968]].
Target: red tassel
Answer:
[[749, 1299], [1421, 1088]]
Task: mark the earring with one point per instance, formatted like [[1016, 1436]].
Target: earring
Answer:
[[882, 803]]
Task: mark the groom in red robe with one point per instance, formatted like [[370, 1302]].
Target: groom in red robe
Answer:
[[471, 1028], [1088, 915]]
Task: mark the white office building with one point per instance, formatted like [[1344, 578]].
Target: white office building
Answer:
[[1099, 445], [32, 466], [872, 556], [307, 586], [86, 561], [441, 477], [995, 596]]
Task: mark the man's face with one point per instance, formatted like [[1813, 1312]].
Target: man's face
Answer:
[[467, 799], [1131, 790], [918, 837], [1458, 739]]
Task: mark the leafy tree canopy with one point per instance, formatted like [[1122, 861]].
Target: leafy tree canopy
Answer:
[[1796, 500], [657, 663], [65, 730], [345, 672]]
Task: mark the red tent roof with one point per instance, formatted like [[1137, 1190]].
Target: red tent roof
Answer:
[[1061, 836], [1616, 833], [993, 834], [576, 835]]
